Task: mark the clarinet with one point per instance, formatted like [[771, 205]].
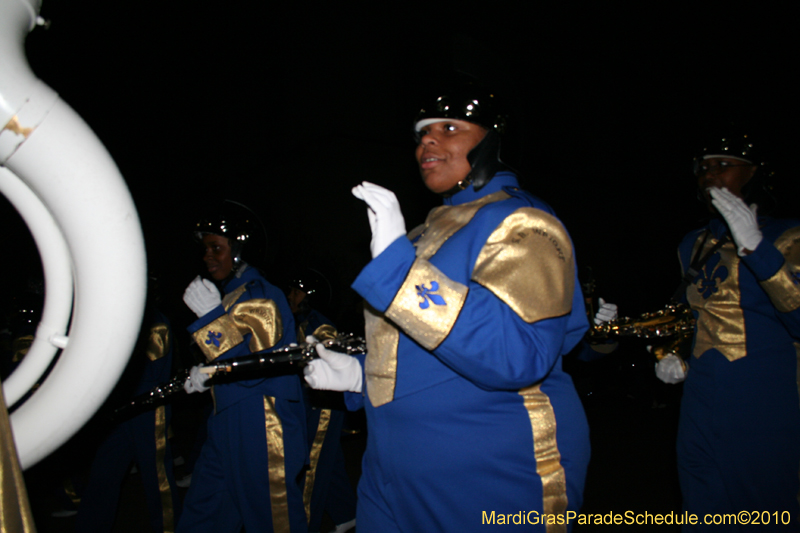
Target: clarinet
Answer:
[[153, 398], [296, 356], [266, 363]]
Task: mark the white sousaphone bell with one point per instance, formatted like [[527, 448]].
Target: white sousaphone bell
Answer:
[[68, 190]]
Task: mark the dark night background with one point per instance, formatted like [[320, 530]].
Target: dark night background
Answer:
[[286, 107]]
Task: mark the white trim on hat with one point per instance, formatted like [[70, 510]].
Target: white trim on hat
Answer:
[[427, 121], [728, 156]]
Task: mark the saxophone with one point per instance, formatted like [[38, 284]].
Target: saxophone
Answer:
[[674, 323]]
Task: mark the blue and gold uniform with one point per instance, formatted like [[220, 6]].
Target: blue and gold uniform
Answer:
[[470, 415], [739, 430], [250, 470]]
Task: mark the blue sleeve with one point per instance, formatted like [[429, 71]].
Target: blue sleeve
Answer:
[[355, 400], [765, 260], [495, 349]]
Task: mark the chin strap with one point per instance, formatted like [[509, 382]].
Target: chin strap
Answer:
[[484, 159], [485, 162], [458, 187]]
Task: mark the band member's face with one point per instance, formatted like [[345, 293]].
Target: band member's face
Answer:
[[442, 152], [733, 174], [295, 297], [217, 256]]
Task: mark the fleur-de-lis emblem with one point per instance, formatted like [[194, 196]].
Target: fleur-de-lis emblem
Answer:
[[711, 276], [214, 337], [428, 294]]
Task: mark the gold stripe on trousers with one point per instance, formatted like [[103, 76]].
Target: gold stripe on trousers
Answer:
[[276, 457], [316, 450], [167, 509], [548, 458]]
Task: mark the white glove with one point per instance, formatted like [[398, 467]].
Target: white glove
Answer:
[[385, 218], [606, 312], [201, 296], [333, 371], [670, 369], [741, 219], [196, 382]]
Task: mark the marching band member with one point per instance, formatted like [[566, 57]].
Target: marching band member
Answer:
[[250, 470], [327, 487], [470, 415], [141, 439], [739, 428]]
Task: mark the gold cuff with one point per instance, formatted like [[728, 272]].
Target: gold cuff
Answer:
[[783, 290], [217, 337], [427, 305]]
